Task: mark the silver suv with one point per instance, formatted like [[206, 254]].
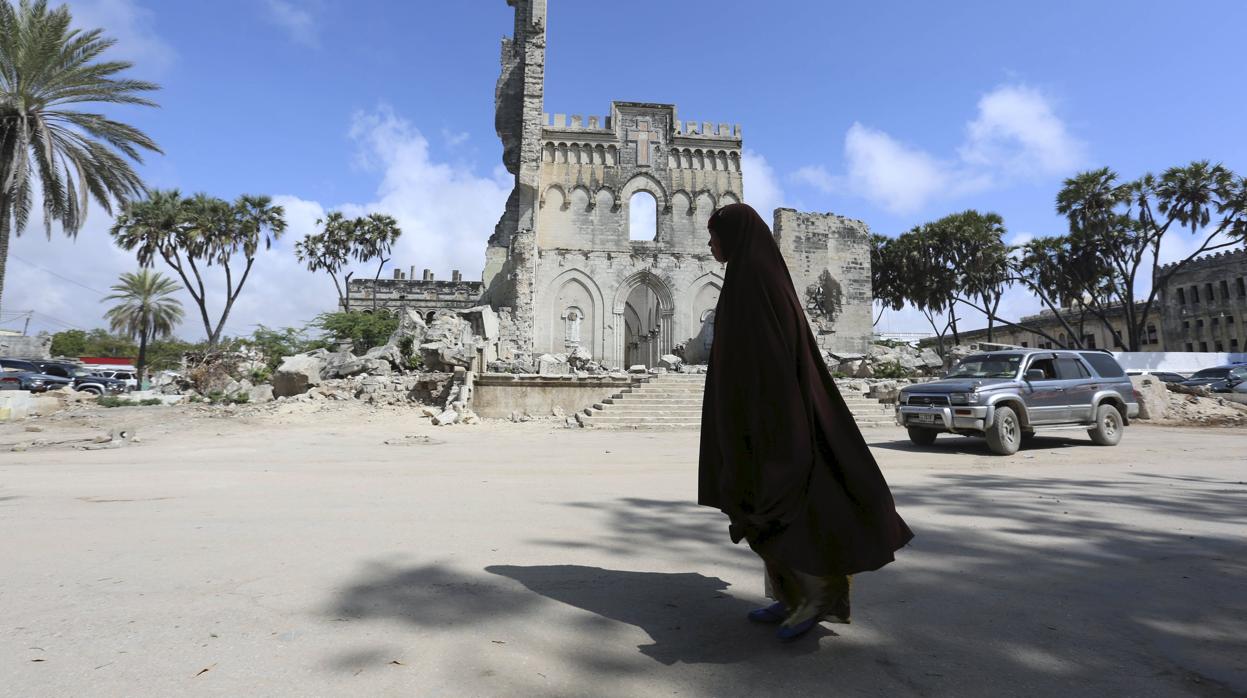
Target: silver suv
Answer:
[[1006, 396]]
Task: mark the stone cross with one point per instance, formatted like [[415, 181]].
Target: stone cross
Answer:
[[642, 136]]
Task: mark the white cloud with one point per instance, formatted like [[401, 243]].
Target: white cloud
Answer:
[[762, 188], [454, 138], [134, 28], [819, 178], [897, 176], [1016, 133], [446, 212], [297, 21]]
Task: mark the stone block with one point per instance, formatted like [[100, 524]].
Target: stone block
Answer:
[[671, 362], [260, 393], [1153, 396], [297, 374]]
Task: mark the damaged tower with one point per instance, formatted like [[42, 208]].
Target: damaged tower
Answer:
[[564, 267]]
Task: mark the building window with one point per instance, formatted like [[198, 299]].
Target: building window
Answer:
[[1190, 347], [1216, 322], [1194, 294], [1025, 345], [1219, 346], [1181, 296], [1208, 292], [1242, 287], [1234, 345], [1152, 337], [1088, 341], [1203, 346], [1225, 290], [1186, 326]]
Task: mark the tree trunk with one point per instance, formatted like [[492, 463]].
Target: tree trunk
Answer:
[[141, 367], [4, 242]]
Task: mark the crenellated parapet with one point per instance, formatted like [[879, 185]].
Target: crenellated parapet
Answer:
[[1210, 261]]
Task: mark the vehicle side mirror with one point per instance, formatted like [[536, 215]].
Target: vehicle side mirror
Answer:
[[1035, 374]]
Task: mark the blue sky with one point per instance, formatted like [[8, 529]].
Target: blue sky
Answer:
[[892, 112]]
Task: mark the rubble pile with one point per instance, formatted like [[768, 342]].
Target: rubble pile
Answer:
[[896, 361], [1166, 403]]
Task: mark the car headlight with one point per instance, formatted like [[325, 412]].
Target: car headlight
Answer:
[[963, 398]]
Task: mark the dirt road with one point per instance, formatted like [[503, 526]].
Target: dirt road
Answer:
[[338, 551]]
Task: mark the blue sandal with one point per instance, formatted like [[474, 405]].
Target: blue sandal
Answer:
[[789, 633], [775, 613]]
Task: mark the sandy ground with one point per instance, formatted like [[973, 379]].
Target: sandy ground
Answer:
[[296, 553]]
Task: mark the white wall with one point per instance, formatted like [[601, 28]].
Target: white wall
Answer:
[[1176, 361]]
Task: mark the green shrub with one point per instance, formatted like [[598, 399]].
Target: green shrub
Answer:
[[114, 401], [365, 330], [892, 369]]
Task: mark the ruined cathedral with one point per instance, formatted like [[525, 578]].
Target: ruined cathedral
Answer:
[[564, 268]]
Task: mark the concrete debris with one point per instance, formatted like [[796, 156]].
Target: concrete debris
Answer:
[[671, 362], [299, 373], [260, 393], [553, 365]]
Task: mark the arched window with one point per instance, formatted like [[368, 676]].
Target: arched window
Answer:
[[642, 216]]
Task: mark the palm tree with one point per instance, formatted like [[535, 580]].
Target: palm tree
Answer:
[[46, 69], [147, 310], [192, 234]]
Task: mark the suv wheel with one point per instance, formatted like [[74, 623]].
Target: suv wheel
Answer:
[[1005, 436], [91, 389], [1108, 426], [922, 437]]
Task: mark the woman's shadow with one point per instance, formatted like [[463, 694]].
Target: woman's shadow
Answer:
[[688, 615]]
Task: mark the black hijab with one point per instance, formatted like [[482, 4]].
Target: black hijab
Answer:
[[780, 452]]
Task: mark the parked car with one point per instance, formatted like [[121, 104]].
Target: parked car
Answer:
[[80, 378], [35, 382], [1006, 396], [1218, 378], [129, 377], [1162, 376], [1236, 378]]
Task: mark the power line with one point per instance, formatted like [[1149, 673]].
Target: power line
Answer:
[[59, 276]]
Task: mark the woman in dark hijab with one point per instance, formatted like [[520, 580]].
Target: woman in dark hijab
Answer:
[[780, 452]]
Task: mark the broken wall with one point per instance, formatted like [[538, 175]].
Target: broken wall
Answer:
[[829, 259]]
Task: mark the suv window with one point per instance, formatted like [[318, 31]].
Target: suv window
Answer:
[[19, 365], [987, 366], [1069, 368], [1104, 364], [1048, 366], [58, 371]]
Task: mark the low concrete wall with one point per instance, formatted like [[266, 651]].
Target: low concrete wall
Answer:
[[20, 404], [497, 395]]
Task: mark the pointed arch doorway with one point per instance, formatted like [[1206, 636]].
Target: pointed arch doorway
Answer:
[[643, 321]]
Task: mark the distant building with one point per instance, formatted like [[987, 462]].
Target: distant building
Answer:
[[404, 291], [1205, 304], [1092, 330]]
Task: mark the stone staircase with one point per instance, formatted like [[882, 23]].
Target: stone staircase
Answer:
[[673, 401]]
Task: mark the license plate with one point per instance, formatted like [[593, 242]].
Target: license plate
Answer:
[[925, 418]]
